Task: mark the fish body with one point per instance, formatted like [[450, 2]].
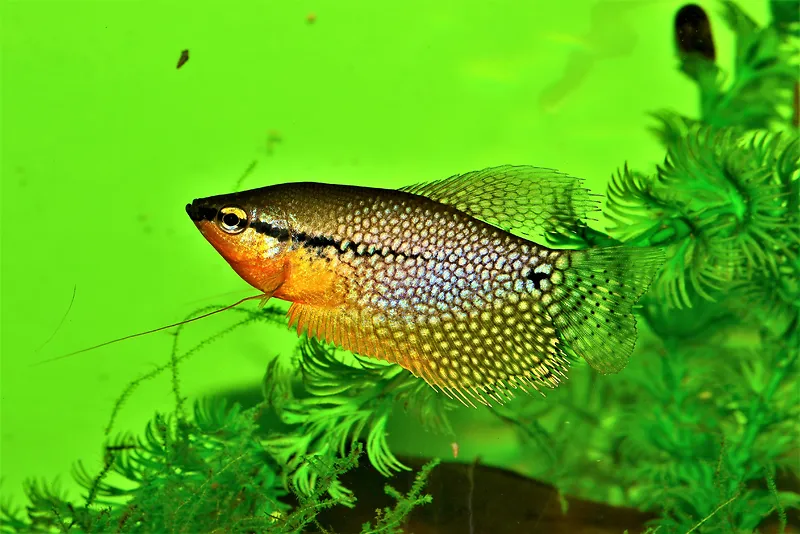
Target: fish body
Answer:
[[439, 277]]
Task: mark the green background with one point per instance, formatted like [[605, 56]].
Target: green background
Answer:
[[104, 142]]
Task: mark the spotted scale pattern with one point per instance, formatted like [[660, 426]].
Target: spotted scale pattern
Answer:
[[455, 300]]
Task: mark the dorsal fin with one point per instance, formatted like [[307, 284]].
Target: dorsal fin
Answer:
[[523, 200]]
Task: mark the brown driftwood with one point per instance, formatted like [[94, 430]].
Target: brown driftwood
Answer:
[[501, 503]]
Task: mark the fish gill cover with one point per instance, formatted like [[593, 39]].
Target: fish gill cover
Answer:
[[700, 429]]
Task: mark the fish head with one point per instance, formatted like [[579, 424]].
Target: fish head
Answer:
[[247, 232]]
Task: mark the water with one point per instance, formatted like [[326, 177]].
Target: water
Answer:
[[104, 142]]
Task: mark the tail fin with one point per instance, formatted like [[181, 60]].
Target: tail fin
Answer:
[[592, 306]]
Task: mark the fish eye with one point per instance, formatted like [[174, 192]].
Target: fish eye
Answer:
[[232, 220]]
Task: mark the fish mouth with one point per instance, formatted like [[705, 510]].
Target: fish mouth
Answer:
[[199, 211]]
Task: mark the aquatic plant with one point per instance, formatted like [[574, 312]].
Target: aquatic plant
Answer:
[[707, 415], [343, 403], [215, 470], [761, 89]]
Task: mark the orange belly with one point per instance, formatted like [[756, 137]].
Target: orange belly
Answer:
[[309, 279]]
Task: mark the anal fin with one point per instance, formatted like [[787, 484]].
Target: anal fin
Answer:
[[347, 330]]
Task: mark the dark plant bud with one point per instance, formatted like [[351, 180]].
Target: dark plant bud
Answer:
[[693, 32]]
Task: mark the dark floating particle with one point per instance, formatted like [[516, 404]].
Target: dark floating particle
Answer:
[[245, 174], [693, 32], [274, 137], [183, 59]]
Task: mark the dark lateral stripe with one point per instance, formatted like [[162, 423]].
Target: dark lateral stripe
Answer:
[[316, 241], [281, 234], [320, 242], [536, 278]]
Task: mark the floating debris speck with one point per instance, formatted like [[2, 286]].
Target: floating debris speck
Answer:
[[183, 59]]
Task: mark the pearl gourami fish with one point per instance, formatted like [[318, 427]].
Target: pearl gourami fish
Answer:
[[439, 277]]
